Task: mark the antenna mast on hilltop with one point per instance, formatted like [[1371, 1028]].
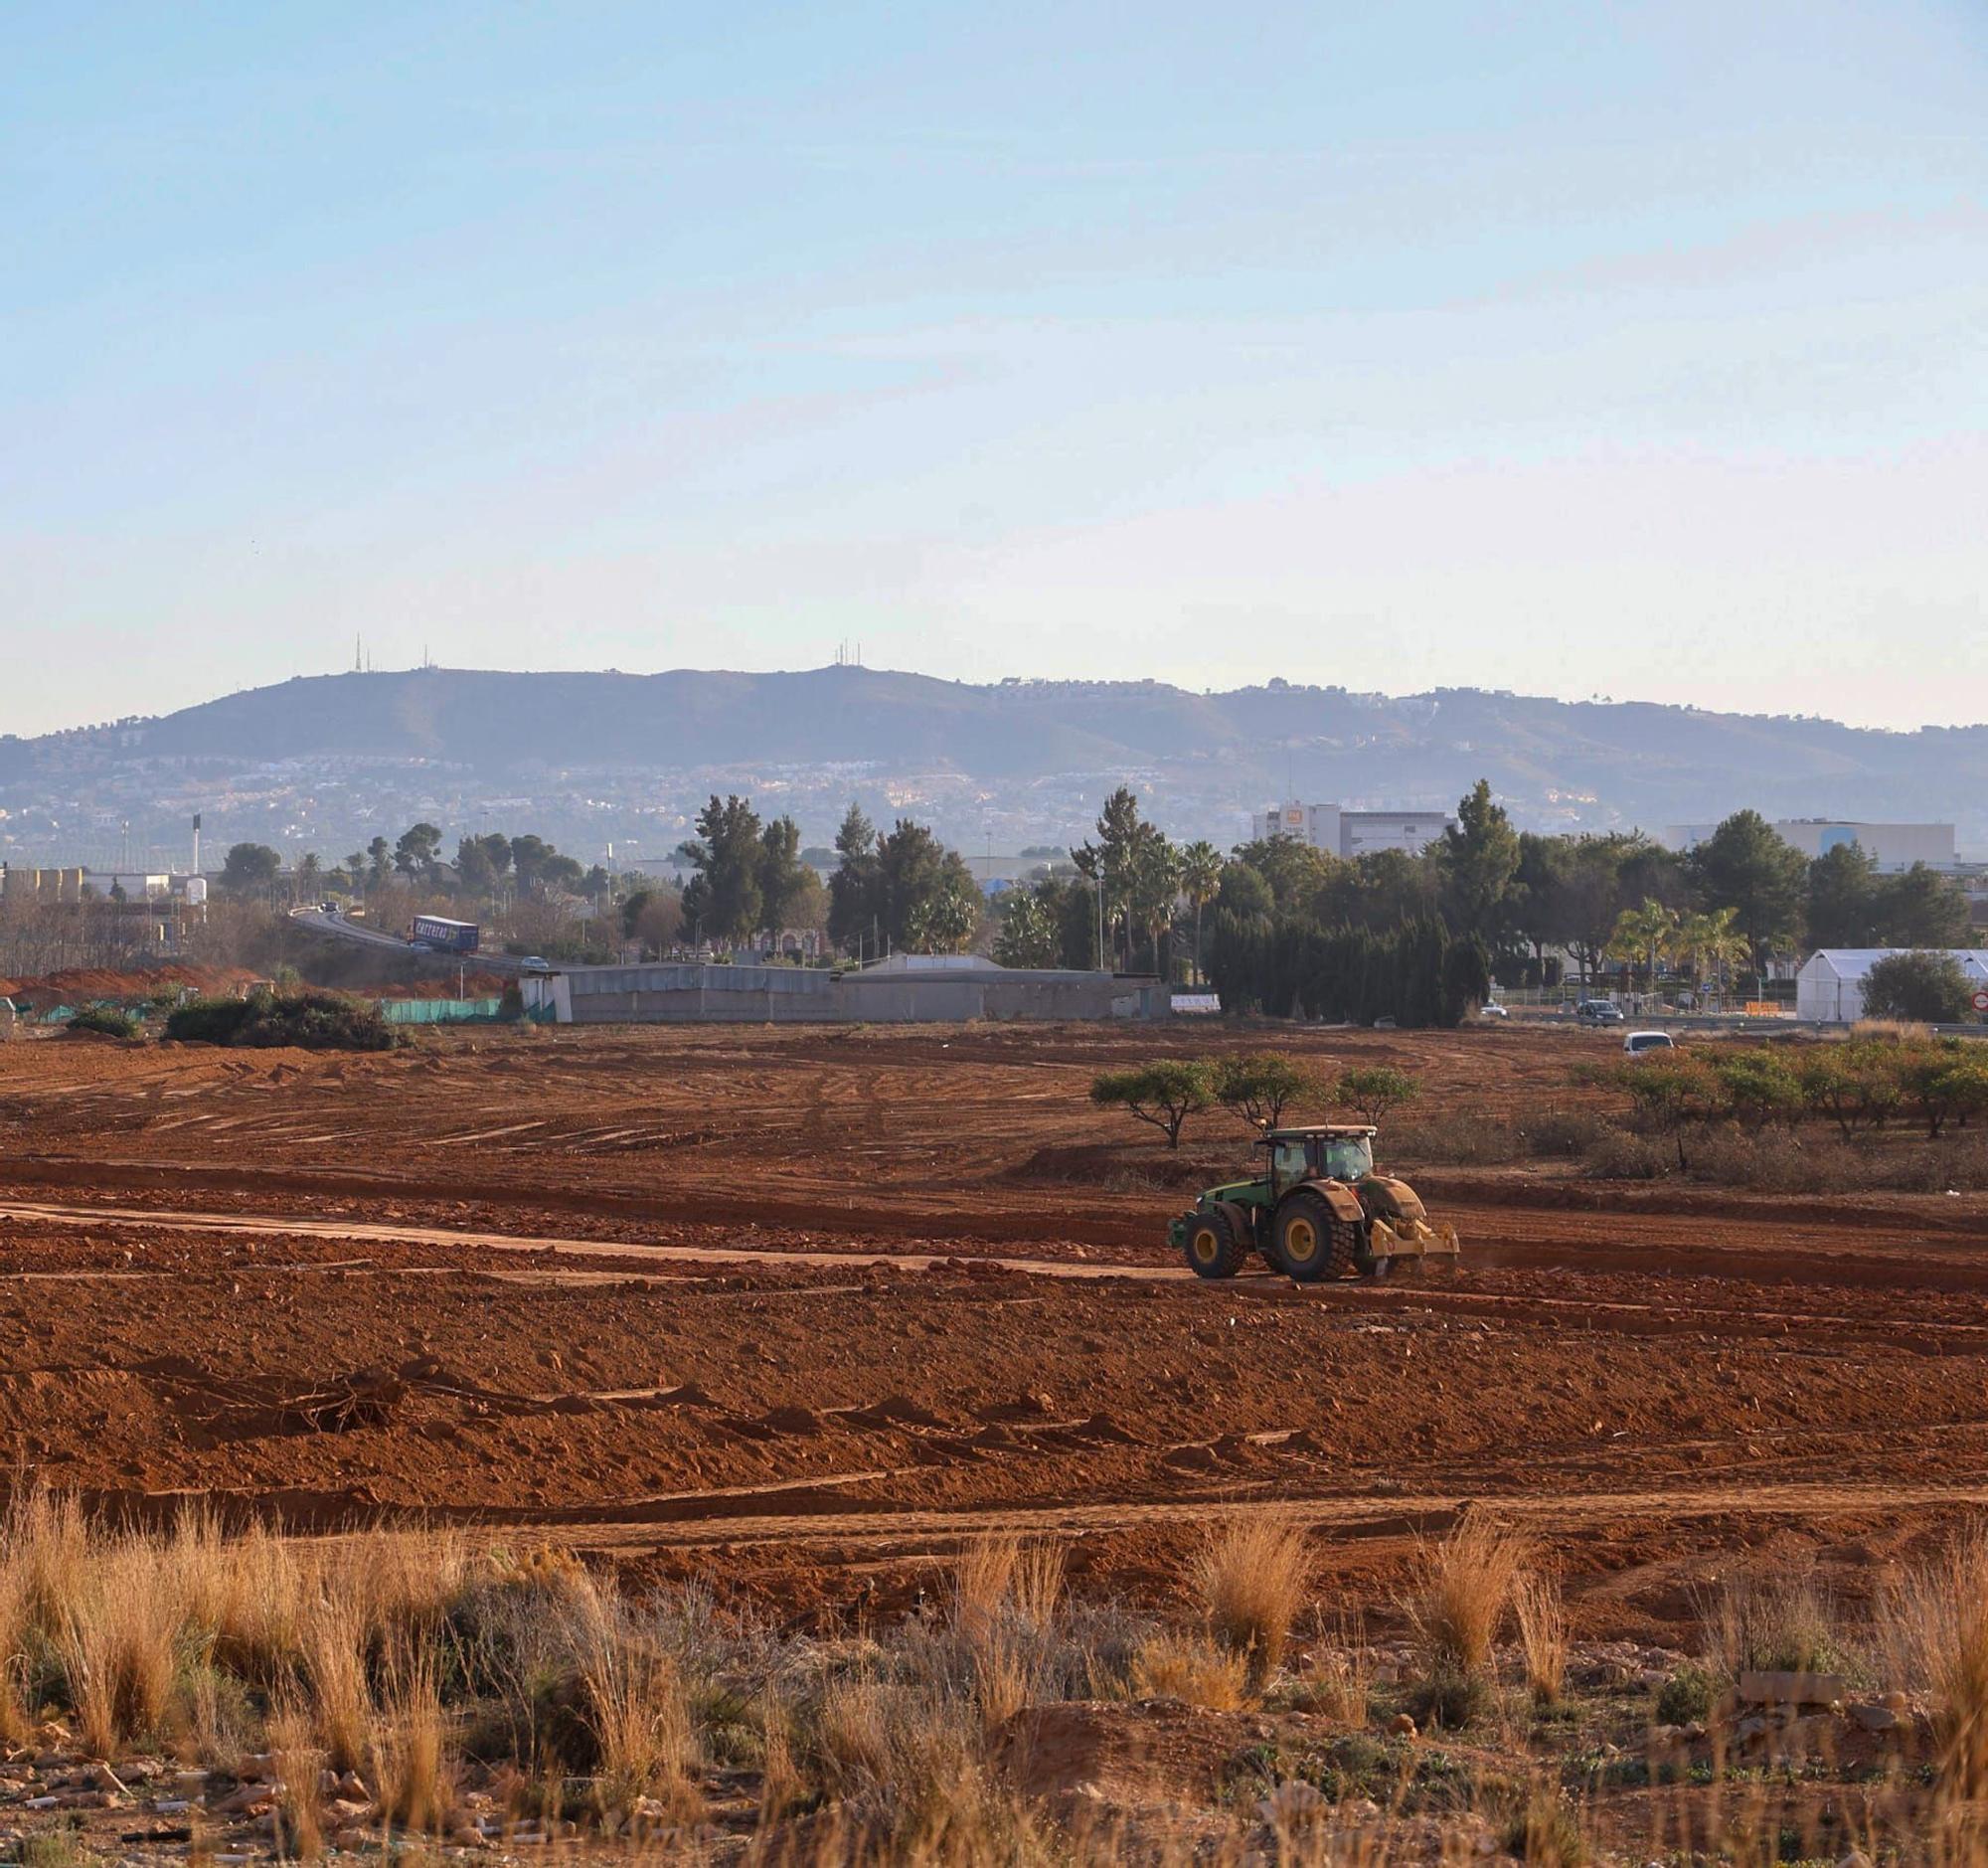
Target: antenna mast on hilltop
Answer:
[[358, 654]]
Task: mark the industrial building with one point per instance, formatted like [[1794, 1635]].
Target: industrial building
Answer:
[[1352, 833], [1829, 989], [908, 988], [1894, 847]]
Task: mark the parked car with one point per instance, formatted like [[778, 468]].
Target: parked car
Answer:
[[534, 964], [1492, 1009], [1599, 1012], [1647, 1043]]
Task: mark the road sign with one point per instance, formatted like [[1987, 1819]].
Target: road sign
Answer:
[[1981, 1000]]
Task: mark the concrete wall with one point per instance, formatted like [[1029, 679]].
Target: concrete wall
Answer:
[[687, 992]]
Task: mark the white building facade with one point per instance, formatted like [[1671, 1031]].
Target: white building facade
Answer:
[[1352, 833], [1829, 989]]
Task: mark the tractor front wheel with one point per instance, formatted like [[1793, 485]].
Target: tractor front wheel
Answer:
[[1307, 1243], [1217, 1243]]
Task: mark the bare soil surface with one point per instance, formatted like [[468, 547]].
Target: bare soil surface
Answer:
[[798, 1309]]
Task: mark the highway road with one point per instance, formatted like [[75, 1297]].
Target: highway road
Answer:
[[322, 921]]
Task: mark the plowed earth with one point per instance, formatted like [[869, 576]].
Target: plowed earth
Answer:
[[797, 1310]]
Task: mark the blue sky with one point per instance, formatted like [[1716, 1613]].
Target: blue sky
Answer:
[[1636, 350]]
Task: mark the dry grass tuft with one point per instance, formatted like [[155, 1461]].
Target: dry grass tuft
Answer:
[[1933, 1633], [413, 1760], [1007, 1577], [1462, 1591], [298, 1761], [1253, 1575], [636, 1706], [1786, 1621], [118, 1646], [1543, 1633], [1195, 1672]]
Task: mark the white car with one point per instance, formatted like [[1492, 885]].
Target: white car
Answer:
[[1492, 1009], [1647, 1043], [534, 964]]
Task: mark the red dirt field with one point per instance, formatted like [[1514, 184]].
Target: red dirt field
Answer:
[[796, 1310]]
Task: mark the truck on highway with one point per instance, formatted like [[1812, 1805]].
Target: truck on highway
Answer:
[[438, 934]]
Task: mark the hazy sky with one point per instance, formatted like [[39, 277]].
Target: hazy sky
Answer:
[[1573, 348]]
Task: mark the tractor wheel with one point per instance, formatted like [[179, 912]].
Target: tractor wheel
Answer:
[[1217, 1244], [1307, 1243]]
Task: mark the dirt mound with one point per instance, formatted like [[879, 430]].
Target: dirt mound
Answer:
[[1155, 1752], [78, 985], [1102, 1164]]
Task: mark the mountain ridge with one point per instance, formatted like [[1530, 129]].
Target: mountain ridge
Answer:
[[1558, 763]]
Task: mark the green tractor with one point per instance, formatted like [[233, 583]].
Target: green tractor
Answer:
[[1318, 1211]]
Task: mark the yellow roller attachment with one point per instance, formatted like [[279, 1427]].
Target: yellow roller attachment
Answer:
[[1412, 1239]]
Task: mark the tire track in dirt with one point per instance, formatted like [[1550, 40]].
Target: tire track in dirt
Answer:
[[885, 1528]]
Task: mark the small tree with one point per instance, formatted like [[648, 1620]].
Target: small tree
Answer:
[[1674, 1093], [1164, 1093], [1760, 1088], [1852, 1084], [1943, 1083], [1374, 1090], [1924, 985], [1258, 1088]]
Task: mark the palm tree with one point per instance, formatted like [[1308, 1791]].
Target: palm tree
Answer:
[[1648, 931], [1713, 943], [1201, 876]]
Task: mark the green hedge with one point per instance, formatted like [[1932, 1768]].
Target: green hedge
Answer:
[[312, 1021]]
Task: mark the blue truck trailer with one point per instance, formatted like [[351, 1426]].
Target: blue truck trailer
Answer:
[[444, 936]]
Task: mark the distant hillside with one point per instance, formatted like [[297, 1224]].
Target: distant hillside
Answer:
[[1557, 764]]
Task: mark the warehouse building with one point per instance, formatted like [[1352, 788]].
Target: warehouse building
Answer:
[[1894, 848], [1829, 989], [908, 988]]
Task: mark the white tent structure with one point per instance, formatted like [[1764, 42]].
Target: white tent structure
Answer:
[[1829, 989]]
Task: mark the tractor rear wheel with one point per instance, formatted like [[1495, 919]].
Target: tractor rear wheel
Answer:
[[1307, 1243], [1217, 1241]]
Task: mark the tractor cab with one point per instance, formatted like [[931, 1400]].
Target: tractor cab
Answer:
[[1329, 1151]]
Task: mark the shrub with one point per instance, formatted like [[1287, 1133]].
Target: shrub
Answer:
[[1164, 1093], [1686, 1697], [1928, 986], [312, 1021], [1374, 1090], [107, 1020]]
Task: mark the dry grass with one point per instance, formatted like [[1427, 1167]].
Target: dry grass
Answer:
[[1007, 1577], [1462, 1592], [1893, 1030], [637, 1705], [292, 1745], [334, 1670], [1785, 1621], [1253, 1575], [1933, 1633], [1197, 1672], [414, 1757], [117, 1641], [1540, 1613]]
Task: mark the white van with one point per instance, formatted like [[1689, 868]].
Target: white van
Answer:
[[1646, 1043]]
